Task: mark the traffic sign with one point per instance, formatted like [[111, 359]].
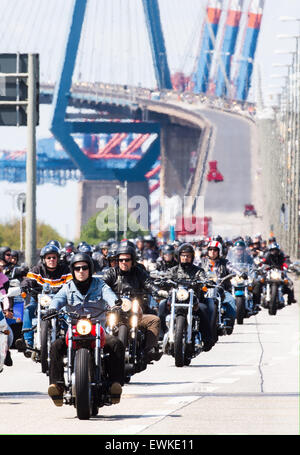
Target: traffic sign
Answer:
[[21, 202], [14, 89]]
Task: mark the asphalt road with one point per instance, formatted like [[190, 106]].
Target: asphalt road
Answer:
[[248, 384]]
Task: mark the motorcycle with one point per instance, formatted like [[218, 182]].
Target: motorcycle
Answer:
[[45, 331], [273, 296], [242, 285], [216, 292], [183, 340], [123, 322], [86, 379]]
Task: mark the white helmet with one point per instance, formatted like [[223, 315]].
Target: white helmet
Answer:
[[215, 244]]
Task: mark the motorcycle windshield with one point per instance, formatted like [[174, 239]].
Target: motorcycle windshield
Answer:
[[89, 310], [240, 259]]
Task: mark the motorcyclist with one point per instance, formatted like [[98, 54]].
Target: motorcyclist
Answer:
[[81, 289], [187, 270], [239, 256], [6, 311], [112, 258], [100, 255], [167, 258], [276, 258], [49, 270], [5, 255], [86, 248], [67, 252], [215, 262], [139, 244], [150, 250], [256, 249], [128, 276]]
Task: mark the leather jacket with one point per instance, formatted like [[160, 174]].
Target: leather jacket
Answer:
[[134, 281]]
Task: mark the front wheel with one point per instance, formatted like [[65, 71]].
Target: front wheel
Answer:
[[179, 342], [240, 309], [123, 334], [45, 327], [83, 391], [273, 300]]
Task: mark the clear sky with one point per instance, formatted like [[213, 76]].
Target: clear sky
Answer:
[[40, 25]]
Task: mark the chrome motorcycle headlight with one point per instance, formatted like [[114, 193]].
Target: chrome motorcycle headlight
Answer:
[[45, 300], [237, 281], [275, 275], [182, 295], [84, 327], [126, 304]]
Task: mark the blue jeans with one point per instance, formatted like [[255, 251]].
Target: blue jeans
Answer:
[[29, 314], [229, 306]]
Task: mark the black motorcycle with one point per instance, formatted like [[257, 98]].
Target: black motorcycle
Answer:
[[123, 322], [183, 340]]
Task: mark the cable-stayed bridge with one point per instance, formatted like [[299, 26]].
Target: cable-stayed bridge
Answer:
[[120, 78]]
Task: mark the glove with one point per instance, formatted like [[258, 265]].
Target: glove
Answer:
[[163, 293], [50, 312]]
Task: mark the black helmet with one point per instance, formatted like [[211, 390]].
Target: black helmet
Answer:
[[128, 243], [15, 254], [82, 257], [56, 243], [81, 243], [150, 239], [103, 245], [274, 248], [112, 253], [48, 249], [85, 249], [168, 249], [3, 251], [185, 248], [124, 248]]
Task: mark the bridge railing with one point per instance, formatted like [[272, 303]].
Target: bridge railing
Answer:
[[131, 94]]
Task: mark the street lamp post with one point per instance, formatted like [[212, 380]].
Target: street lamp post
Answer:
[[293, 140]]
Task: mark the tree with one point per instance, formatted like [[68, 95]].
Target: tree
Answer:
[[101, 226], [10, 234]]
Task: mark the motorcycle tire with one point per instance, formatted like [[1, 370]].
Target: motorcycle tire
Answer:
[[123, 334], [273, 300], [83, 392], [45, 325], [179, 341], [240, 309]]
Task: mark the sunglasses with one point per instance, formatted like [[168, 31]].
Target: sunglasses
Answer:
[[213, 249], [51, 257], [81, 267], [125, 260], [7, 254]]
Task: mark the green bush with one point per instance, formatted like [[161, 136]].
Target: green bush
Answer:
[[10, 234]]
